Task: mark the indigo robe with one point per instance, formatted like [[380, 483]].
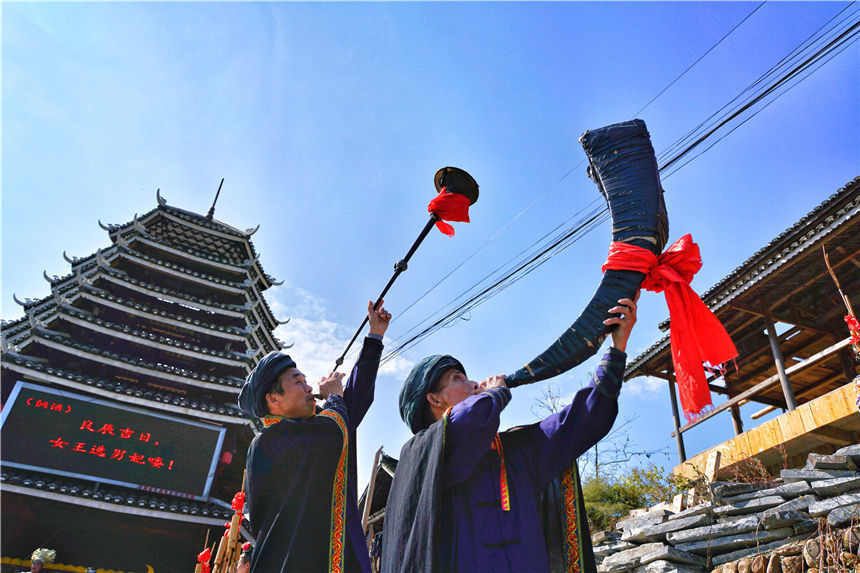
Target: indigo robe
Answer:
[[292, 485], [446, 510]]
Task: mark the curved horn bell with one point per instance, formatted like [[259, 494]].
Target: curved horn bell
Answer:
[[622, 163]]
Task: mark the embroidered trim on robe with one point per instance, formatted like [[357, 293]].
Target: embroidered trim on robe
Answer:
[[503, 479], [571, 520], [337, 536]]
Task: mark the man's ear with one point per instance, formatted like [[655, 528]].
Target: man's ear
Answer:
[[434, 400], [271, 398]]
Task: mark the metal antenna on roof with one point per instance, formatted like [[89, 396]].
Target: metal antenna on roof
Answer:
[[211, 212]]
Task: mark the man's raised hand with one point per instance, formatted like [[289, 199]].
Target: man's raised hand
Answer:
[[625, 322], [493, 382], [332, 383], [379, 318]]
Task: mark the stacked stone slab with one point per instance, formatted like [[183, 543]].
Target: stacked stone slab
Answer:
[[745, 528]]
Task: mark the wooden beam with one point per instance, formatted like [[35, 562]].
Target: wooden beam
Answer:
[[835, 436], [765, 384], [806, 392], [782, 317], [791, 293], [799, 350]]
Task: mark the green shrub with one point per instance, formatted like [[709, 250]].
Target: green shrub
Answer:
[[608, 501]]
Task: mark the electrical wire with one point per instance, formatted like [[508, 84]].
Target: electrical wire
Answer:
[[546, 247]]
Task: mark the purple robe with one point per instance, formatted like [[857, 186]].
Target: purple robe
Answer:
[[292, 466], [471, 530]]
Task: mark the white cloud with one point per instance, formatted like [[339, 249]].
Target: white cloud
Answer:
[[647, 386], [317, 341]]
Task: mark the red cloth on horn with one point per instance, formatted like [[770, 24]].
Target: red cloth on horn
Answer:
[[449, 207], [696, 335]]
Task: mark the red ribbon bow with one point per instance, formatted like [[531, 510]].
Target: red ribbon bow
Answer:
[[238, 501], [696, 335], [449, 207]]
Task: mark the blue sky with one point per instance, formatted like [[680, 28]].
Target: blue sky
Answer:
[[328, 121]]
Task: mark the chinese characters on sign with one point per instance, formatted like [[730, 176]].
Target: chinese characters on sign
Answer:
[[86, 437]]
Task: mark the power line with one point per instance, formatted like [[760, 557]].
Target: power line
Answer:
[[690, 67], [571, 170]]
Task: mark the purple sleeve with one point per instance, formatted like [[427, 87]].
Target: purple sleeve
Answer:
[[562, 437], [359, 389], [472, 424]]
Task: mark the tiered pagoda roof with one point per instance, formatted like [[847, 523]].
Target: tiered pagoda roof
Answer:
[[169, 317]]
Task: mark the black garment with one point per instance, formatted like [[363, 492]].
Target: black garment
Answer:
[[291, 467]]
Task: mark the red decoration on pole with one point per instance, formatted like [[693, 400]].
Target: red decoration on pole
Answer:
[[449, 207], [203, 559], [696, 335], [238, 501]]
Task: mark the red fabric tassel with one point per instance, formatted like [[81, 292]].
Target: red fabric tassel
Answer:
[[696, 335], [449, 207], [204, 556]]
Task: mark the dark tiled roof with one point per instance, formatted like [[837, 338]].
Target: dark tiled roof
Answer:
[[120, 496], [118, 387], [784, 246], [142, 334], [228, 382]]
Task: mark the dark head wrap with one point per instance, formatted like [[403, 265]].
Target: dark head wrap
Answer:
[[418, 383], [258, 383]]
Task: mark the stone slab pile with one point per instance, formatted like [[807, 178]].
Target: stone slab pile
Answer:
[[746, 528]]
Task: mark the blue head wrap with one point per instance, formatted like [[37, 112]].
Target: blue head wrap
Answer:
[[258, 383], [414, 392]]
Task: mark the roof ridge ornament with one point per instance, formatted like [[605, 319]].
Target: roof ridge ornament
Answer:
[[162, 202], [138, 226], [17, 300], [72, 260], [281, 322], [249, 231], [101, 260]]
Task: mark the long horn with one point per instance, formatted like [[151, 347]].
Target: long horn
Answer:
[[282, 321], [16, 299], [249, 232], [68, 260], [47, 278], [622, 163], [103, 226]]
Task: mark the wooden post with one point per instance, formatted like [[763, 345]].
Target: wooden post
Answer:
[[676, 418], [712, 466], [779, 360], [369, 499], [737, 422]]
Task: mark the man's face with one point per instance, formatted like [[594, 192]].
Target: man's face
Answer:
[[297, 399], [454, 387], [36, 566]]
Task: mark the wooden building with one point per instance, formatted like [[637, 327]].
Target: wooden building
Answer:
[[122, 443], [784, 314], [371, 504]]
